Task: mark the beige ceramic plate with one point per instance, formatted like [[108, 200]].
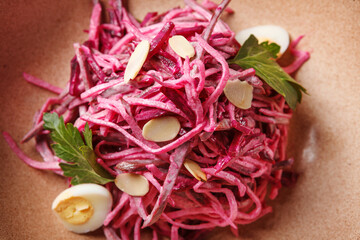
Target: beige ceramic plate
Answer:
[[36, 37]]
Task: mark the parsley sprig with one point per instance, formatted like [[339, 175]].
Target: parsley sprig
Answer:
[[70, 146], [261, 58]]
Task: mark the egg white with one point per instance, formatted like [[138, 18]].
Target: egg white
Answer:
[[272, 33], [97, 195]]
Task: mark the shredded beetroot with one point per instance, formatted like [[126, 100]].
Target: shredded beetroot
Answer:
[[242, 152], [38, 82], [49, 165], [300, 56]]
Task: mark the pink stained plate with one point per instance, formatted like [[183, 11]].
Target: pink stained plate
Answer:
[[37, 36]]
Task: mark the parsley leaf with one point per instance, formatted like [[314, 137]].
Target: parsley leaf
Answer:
[[69, 146], [273, 48], [261, 58]]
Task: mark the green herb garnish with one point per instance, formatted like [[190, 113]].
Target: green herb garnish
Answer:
[[261, 58], [69, 146]]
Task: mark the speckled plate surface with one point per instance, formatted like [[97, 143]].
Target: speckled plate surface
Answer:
[[37, 36]]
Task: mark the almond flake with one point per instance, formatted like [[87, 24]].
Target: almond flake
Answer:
[[181, 46], [239, 93], [136, 60], [161, 129], [195, 170], [133, 184]]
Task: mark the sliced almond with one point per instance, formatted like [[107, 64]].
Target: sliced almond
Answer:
[[161, 129], [133, 184], [136, 60], [239, 93], [181, 46], [195, 170]]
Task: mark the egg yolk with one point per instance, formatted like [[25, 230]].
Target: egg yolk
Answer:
[[264, 39], [75, 210]]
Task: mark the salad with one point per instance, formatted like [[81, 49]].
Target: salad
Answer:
[[168, 124]]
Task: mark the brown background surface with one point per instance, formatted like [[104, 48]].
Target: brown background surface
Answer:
[[37, 36]]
